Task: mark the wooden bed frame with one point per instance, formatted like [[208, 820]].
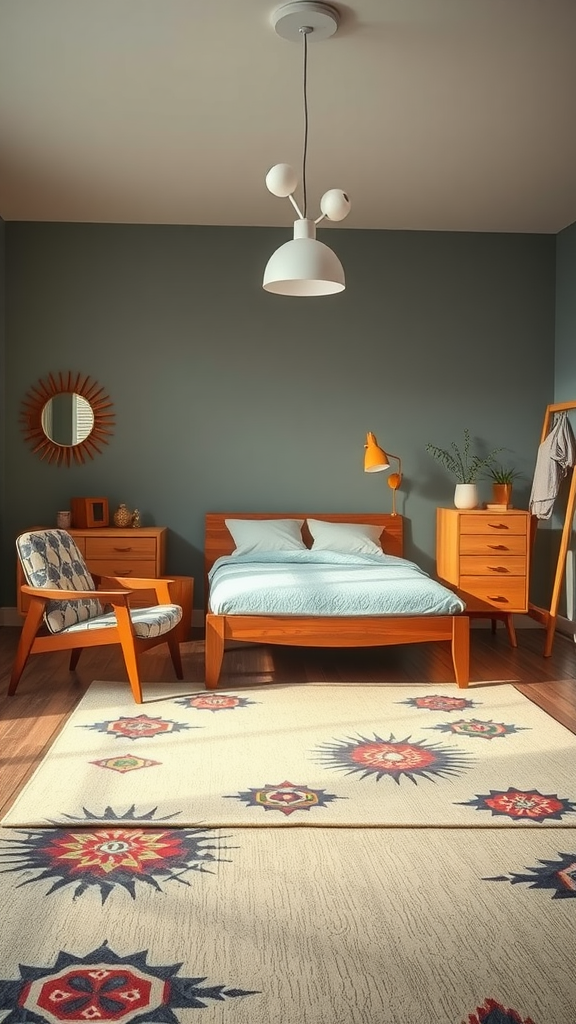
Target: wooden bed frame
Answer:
[[324, 631]]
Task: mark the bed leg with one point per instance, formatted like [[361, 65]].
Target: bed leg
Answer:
[[214, 649], [461, 649]]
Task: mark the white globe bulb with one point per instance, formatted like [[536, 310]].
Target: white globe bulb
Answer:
[[281, 180], [335, 204]]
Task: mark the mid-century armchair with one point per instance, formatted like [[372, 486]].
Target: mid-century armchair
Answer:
[[67, 612]]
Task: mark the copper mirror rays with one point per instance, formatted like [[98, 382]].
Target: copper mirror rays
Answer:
[[67, 418]]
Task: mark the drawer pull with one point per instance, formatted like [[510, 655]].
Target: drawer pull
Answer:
[[129, 548], [497, 597], [498, 547], [497, 568], [497, 526], [122, 572]]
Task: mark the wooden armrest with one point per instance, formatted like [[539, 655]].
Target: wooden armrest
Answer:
[[160, 587], [132, 583], [73, 595]]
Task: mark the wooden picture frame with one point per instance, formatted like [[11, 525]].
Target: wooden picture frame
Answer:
[[90, 513]]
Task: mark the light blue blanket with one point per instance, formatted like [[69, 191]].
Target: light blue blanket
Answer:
[[325, 583]]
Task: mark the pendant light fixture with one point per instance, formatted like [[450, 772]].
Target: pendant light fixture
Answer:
[[305, 266]]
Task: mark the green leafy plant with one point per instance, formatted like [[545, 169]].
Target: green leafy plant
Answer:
[[500, 474], [460, 462]]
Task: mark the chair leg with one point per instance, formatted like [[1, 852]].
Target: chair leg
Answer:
[[27, 636], [174, 648], [130, 653], [133, 670], [75, 657]]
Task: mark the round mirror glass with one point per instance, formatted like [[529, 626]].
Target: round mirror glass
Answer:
[[67, 419]]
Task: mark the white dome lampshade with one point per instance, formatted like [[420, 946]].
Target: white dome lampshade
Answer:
[[304, 266]]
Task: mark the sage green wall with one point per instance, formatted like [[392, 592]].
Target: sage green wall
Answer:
[[228, 398], [564, 371], [2, 384], [565, 349]]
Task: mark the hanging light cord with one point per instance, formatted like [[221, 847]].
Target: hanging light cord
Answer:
[[305, 32]]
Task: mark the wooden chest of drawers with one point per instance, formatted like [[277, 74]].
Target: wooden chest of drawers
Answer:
[[109, 551], [486, 556]]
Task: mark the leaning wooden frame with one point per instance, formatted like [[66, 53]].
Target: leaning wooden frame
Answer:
[[324, 631]]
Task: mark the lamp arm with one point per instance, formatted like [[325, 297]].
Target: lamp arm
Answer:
[[296, 207], [399, 461], [394, 480], [321, 217]]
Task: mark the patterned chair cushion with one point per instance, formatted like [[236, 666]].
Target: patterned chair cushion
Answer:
[[50, 559], [146, 621]]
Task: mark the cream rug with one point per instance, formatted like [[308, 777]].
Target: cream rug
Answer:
[[288, 926], [312, 755]]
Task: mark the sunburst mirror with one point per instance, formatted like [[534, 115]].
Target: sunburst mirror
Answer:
[[67, 418]]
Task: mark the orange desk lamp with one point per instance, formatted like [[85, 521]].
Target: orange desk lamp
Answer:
[[376, 459]]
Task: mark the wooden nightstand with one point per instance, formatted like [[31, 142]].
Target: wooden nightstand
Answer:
[[486, 556], [109, 551]]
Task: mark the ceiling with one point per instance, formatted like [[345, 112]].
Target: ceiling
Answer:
[[442, 115]]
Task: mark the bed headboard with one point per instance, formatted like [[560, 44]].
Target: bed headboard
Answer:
[[218, 541]]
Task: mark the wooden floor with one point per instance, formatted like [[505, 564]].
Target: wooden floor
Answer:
[[47, 693]]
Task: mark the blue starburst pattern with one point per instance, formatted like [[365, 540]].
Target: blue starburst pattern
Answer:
[[557, 875], [492, 1012], [522, 804], [477, 729], [110, 858], [215, 702], [138, 727], [393, 758], [106, 987], [438, 702], [111, 815]]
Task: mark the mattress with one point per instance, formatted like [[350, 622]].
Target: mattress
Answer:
[[325, 583]]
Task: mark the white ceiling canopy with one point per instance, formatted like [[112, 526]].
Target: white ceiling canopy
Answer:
[[433, 114]]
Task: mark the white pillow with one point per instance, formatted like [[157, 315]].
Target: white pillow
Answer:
[[253, 535], [347, 538]]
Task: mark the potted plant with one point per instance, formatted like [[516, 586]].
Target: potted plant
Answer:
[[502, 478], [465, 466]]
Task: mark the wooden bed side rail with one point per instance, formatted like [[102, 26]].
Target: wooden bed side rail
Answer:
[[345, 631]]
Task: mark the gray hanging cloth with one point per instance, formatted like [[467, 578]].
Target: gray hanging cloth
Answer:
[[556, 454]]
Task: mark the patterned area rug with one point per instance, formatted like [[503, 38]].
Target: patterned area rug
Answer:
[[299, 926], [314, 755]]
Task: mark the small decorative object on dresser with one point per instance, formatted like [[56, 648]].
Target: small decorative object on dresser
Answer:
[[466, 496], [64, 520], [466, 468], [502, 479], [122, 517], [89, 513], [136, 522]]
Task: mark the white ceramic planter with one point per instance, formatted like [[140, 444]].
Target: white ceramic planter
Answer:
[[466, 496]]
